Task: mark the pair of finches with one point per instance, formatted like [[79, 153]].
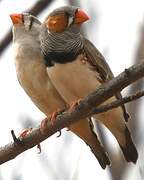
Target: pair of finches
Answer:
[[57, 65]]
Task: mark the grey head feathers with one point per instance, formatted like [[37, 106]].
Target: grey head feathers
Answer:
[[30, 21], [68, 10], [29, 28], [26, 37]]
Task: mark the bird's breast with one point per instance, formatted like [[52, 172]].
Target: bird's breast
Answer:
[[73, 80], [34, 79]]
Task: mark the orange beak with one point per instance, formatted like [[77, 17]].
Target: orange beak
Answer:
[[80, 17], [17, 18]]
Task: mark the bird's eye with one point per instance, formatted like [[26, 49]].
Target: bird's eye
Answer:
[[76, 10]]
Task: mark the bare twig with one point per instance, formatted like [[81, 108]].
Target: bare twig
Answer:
[[135, 107], [116, 170], [84, 109], [35, 10], [15, 139], [118, 102]]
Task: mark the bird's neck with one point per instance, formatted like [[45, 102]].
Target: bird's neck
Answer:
[[26, 43], [62, 47]]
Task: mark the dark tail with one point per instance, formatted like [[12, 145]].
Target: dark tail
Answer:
[[129, 151], [98, 150], [101, 156], [84, 129]]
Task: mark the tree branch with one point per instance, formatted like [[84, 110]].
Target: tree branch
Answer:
[[133, 108], [118, 102], [35, 10], [84, 109]]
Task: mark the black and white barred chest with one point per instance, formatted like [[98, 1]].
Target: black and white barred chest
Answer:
[[61, 48]]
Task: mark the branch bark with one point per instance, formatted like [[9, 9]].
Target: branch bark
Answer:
[[35, 10], [118, 102], [84, 109], [134, 108]]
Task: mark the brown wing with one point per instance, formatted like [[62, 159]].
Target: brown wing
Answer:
[[99, 64]]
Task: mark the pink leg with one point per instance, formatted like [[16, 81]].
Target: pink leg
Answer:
[[73, 105], [27, 131]]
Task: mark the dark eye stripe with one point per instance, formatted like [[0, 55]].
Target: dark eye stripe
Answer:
[[31, 22], [22, 18], [76, 10]]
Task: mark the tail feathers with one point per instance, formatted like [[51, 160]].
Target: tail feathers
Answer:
[[101, 156], [85, 130], [129, 151], [97, 148]]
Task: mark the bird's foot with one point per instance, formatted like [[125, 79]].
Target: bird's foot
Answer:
[[43, 125], [26, 132], [53, 118], [59, 133], [44, 122], [54, 115], [74, 104]]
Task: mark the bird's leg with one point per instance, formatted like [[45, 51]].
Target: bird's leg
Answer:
[[54, 115], [24, 133], [59, 134], [74, 104], [43, 125], [52, 119]]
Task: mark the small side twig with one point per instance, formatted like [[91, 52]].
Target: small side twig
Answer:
[[15, 139], [118, 102]]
